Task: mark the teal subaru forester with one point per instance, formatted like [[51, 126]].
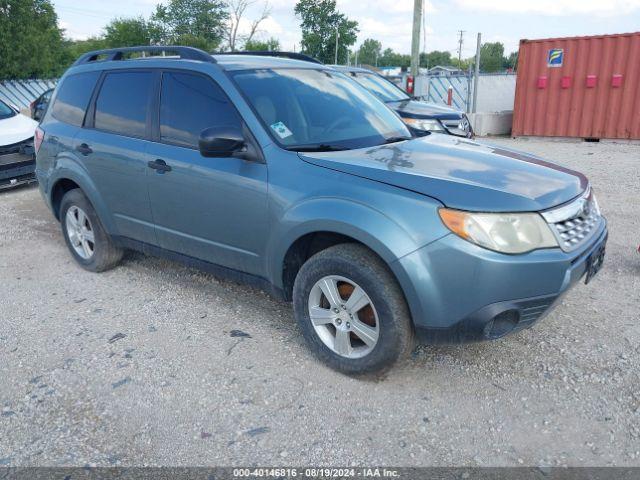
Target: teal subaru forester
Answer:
[[290, 176]]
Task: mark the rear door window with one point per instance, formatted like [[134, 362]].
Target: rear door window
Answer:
[[123, 103], [73, 97], [189, 104]]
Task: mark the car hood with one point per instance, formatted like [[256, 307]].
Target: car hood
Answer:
[[417, 109], [16, 129], [461, 173]]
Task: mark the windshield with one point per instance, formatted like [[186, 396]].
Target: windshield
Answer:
[[308, 109], [383, 89], [5, 110]]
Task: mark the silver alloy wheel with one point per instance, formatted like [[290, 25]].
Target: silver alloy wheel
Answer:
[[80, 232], [344, 316]]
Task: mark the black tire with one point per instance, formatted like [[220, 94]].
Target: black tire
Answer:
[[359, 264], [105, 254]]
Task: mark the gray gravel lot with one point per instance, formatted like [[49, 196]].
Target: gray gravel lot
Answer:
[[147, 365]]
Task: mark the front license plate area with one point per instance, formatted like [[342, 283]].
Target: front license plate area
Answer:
[[594, 262]]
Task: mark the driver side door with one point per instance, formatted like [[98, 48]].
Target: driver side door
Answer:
[[213, 209]]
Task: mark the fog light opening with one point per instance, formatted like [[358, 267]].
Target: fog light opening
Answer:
[[502, 324]]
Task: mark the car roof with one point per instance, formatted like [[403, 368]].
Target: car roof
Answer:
[[232, 62], [343, 68], [109, 58]]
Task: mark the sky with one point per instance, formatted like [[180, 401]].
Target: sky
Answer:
[[389, 21]]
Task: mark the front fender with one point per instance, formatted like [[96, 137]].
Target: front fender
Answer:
[[386, 236], [378, 231]]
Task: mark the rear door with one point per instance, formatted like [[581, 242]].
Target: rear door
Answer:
[[213, 209], [114, 148]]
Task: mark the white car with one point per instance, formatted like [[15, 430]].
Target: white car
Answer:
[[17, 162]]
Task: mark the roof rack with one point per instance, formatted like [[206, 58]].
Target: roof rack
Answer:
[[268, 53], [111, 54]]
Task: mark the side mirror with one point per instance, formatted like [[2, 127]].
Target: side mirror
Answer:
[[222, 141]]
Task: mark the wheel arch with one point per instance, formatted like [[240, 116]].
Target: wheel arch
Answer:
[[67, 179], [356, 223]]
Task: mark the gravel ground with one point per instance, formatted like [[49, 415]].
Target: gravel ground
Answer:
[[156, 364]]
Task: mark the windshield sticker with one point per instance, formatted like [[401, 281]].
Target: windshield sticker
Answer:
[[281, 129]]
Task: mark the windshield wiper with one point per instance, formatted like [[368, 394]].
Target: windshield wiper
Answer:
[[320, 147], [396, 139]]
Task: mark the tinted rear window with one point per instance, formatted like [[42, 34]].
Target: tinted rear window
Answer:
[[189, 104], [123, 101], [73, 97]]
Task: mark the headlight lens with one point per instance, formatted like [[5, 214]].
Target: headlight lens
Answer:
[[424, 124], [502, 232], [595, 204]]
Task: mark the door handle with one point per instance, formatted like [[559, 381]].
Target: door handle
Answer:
[[159, 165], [84, 149]]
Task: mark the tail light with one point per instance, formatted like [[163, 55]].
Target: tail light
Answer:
[[410, 84], [37, 139]]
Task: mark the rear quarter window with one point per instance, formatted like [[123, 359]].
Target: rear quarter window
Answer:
[[73, 97]]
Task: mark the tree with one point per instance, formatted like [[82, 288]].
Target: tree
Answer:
[[127, 32], [491, 57], [434, 58], [74, 48], [237, 10], [511, 61], [30, 40], [319, 22], [370, 52], [392, 59], [271, 45], [190, 22]]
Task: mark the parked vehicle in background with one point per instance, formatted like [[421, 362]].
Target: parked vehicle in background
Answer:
[[17, 163], [416, 113], [288, 175], [40, 104]]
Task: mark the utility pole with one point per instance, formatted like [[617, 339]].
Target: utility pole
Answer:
[[460, 42], [476, 73], [337, 38], [415, 38]]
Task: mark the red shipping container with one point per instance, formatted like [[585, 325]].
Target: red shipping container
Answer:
[[598, 104]]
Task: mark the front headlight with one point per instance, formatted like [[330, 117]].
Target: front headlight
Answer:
[[595, 204], [502, 232], [424, 124]]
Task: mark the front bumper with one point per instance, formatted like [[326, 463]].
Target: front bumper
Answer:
[[459, 292], [17, 164]]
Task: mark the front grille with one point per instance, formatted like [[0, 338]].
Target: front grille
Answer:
[[575, 223], [24, 148], [573, 232]]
